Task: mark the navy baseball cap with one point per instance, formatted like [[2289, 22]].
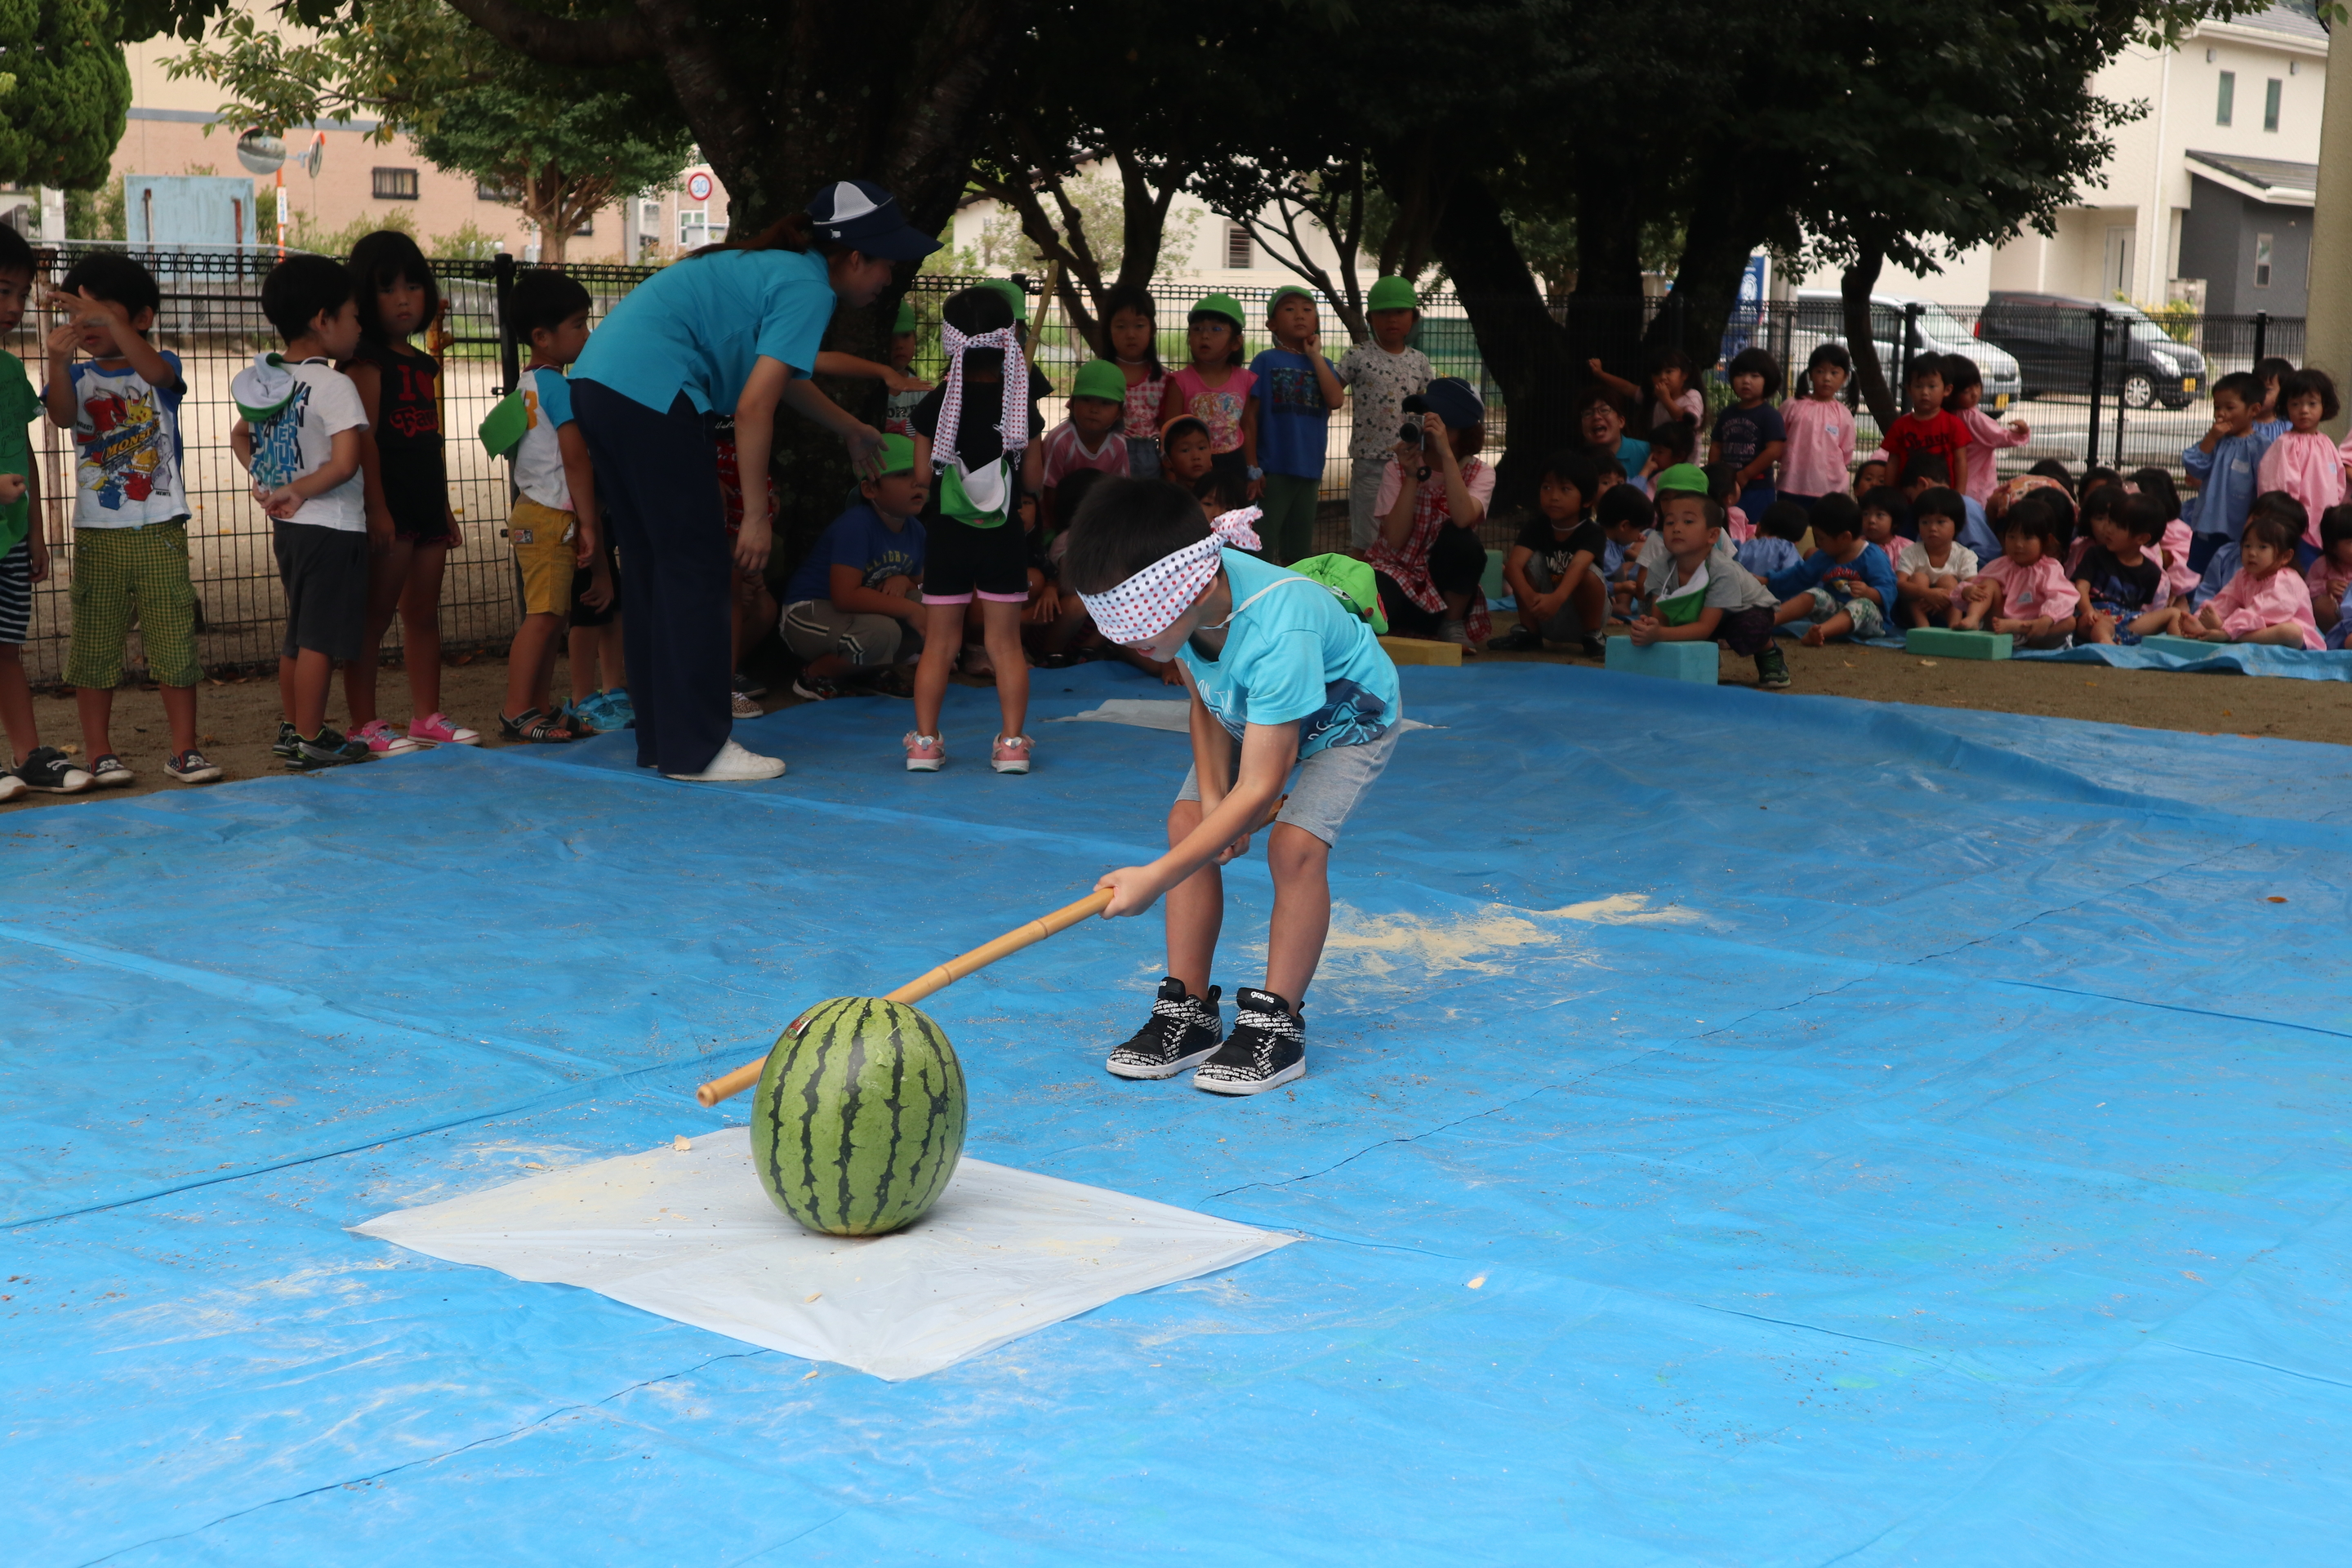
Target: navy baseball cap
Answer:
[[866, 217], [1453, 401]]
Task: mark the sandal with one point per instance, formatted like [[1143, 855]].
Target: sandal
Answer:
[[535, 727]]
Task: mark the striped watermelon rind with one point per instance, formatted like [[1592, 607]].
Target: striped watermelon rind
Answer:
[[858, 1119]]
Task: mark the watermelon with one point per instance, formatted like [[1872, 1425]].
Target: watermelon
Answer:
[[857, 1122]]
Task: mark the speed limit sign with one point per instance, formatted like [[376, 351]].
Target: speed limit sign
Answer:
[[698, 185]]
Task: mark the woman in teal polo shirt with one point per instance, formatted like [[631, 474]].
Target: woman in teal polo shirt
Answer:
[[732, 331]]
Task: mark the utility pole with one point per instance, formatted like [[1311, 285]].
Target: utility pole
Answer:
[[2328, 342]]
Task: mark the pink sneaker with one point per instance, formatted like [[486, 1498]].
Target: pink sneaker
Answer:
[[925, 754], [383, 740], [1012, 755], [436, 731]]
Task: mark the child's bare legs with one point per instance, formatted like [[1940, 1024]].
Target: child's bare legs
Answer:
[[1800, 608], [2096, 628], [1981, 599], [16, 704], [388, 574], [303, 682], [942, 634], [530, 666], [420, 624], [595, 655], [2286, 634], [2153, 622], [1838, 625], [1000, 626], [1195, 910]]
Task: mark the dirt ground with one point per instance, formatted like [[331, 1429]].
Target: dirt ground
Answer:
[[237, 719]]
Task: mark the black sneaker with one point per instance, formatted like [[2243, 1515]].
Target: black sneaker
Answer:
[[287, 747], [1772, 669], [1181, 1031], [109, 773], [50, 771], [191, 767], [1267, 1048], [329, 749], [815, 688], [739, 681], [1519, 639]]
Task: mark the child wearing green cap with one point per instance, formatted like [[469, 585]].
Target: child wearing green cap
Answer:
[[1214, 388], [1088, 438], [855, 603], [1695, 592], [1379, 376], [1286, 422]]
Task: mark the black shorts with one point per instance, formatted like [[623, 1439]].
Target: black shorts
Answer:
[[417, 495], [582, 617], [325, 574], [960, 561]]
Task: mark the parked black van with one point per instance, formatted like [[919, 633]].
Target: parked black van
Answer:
[[2049, 336]]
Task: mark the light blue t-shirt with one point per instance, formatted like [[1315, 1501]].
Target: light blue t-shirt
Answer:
[[539, 455], [696, 325], [1292, 652]]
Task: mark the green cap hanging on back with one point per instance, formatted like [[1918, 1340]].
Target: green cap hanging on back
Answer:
[[906, 323], [1392, 294], [1014, 295], [1683, 478], [1101, 378], [1223, 305]]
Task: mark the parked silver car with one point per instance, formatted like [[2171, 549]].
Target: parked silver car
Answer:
[[1820, 318]]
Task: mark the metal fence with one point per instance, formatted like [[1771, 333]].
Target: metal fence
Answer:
[[2104, 383]]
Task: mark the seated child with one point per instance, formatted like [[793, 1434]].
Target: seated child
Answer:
[[2266, 602], [2225, 560], [1870, 475], [1931, 571], [1284, 676], [1554, 567], [1670, 443], [1882, 509], [1774, 548], [298, 434], [2331, 575], [2121, 578], [1696, 593], [2173, 547], [1187, 459], [1089, 438], [2100, 504], [1845, 588], [1624, 515], [2023, 591], [1723, 484], [1925, 471], [856, 605]]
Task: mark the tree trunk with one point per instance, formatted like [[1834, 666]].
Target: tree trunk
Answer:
[[1524, 351], [1724, 231], [1605, 314], [1860, 342]]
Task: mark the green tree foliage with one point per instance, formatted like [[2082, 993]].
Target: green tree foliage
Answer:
[[565, 156], [67, 96]]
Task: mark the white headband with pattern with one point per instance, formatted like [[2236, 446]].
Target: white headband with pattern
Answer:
[[1148, 603], [1012, 424]]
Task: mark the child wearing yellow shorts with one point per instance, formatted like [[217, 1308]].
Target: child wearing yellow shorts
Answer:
[[552, 524]]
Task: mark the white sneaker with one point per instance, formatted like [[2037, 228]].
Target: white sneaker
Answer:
[[733, 764]]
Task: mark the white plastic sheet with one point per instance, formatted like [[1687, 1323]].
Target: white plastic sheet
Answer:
[[688, 1234]]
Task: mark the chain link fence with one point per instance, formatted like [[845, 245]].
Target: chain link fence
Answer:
[[2094, 384]]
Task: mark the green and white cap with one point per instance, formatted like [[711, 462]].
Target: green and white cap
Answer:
[[1683, 478], [262, 389], [1681, 607]]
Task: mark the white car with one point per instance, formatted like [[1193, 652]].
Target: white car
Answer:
[[1820, 318]]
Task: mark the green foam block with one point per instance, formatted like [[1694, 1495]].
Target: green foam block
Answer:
[[2182, 647], [1695, 662], [1491, 582], [1956, 645]]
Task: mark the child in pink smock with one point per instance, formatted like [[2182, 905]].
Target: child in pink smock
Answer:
[[2172, 547], [2266, 602], [2304, 463], [2331, 575], [2024, 591], [1963, 390], [1820, 429]]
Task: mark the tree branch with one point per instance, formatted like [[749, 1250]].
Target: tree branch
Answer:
[[615, 40]]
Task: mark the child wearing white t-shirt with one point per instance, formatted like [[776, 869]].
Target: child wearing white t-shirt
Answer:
[[298, 432], [1931, 571]]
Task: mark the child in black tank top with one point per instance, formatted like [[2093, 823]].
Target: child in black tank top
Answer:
[[410, 529]]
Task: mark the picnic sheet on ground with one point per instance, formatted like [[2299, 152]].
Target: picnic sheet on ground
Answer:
[[1740, 1129]]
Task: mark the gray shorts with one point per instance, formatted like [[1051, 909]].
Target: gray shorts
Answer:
[[1869, 621], [813, 629], [1328, 785]]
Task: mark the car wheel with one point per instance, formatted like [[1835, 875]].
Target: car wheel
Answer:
[[2138, 392]]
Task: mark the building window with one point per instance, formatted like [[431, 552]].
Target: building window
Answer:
[[1240, 252], [2261, 261], [487, 191], [693, 228], [2270, 103], [395, 184], [587, 226], [2229, 97]]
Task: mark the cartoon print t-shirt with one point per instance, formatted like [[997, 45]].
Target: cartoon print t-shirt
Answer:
[[1218, 407], [126, 447]]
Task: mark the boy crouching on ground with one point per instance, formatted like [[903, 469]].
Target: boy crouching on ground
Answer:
[[1697, 593], [855, 607], [1282, 673]]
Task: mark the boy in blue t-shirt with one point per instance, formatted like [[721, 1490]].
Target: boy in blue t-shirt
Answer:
[[856, 600], [1285, 423], [1282, 672]]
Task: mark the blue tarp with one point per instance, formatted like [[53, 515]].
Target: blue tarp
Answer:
[[1740, 1130]]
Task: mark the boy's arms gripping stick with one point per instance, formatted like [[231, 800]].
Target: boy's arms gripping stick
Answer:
[[947, 973]]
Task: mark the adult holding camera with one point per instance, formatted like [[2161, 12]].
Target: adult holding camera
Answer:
[[1434, 495]]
